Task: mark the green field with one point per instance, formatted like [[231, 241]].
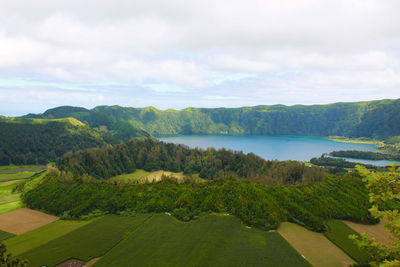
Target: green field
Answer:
[[338, 232], [209, 241], [5, 235], [27, 241], [85, 243], [21, 168], [315, 247], [9, 201], [15, 176]]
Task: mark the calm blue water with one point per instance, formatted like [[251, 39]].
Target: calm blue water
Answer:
[[279, 147]]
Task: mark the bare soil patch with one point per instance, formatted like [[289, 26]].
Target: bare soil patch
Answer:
[[23, 220], [72, 263], [91, 262], [377, 231]]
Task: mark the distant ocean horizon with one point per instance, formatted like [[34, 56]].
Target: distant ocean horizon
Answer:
[[274, 147]]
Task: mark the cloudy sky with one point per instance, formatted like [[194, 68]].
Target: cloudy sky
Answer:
[[209, 53]]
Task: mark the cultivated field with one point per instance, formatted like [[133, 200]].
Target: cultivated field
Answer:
[[24, 220], [315, 247], [338, 232], [40, 236], [208, 241], [5, 235], [377, 231], [85, 243], [9, 201]]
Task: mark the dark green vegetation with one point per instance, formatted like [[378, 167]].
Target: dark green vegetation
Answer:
[[338, 232], [377, 119], [87, 242], [38, 141], [340, 164], [255, 204], [152, 155], [364, 155], [211, 240], [5, 235]]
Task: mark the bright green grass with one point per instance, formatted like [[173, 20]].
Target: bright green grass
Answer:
[[5, 235], [209, 241], [4, 208], [338, 233], [35, 238], [9, 201], [90, 241], [134, 176], [19, 168], [14, 176]]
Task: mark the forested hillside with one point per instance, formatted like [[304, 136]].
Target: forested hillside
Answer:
[[151, 155], [38, 141], [377, 119], [255, 204]]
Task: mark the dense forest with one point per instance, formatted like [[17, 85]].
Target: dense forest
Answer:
[[255, 204], [375, 119], [38, 141], [152, 155], [355, 154]]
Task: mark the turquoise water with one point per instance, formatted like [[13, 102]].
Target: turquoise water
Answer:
[[279, 147]]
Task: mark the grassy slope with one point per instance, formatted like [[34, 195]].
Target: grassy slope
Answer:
[[209, 241], [338, 232], [9, 201], [14, 176], [87, 242], [315, 247], [27, 241]]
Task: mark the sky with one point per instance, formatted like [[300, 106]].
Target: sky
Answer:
[[209, 53]]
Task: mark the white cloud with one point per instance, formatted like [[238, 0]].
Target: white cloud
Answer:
[[289, 51]]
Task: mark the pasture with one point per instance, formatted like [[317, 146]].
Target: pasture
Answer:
[[85, 243], [208, 241], [9, 200], [23, 220], [315, 247], [377, 231], [40, 236], [338, 233]]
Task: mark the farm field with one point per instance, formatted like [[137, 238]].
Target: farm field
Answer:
[[85, 243], [9, 200], [40, 236], [23, 220], [377, 231], [211, 240], [5, 235], [315, 247], [338, 233]]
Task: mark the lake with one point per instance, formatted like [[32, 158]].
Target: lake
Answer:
[[279, 147]]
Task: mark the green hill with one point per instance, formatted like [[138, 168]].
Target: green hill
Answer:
[[376, 119], [38, 141]]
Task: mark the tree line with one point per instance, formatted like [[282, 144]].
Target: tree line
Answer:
[[152, 155], [255, 204]]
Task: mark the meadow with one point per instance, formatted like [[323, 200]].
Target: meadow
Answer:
[[85, 243], [212, 240], [40, 236], [338, 233], [315, 247]]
